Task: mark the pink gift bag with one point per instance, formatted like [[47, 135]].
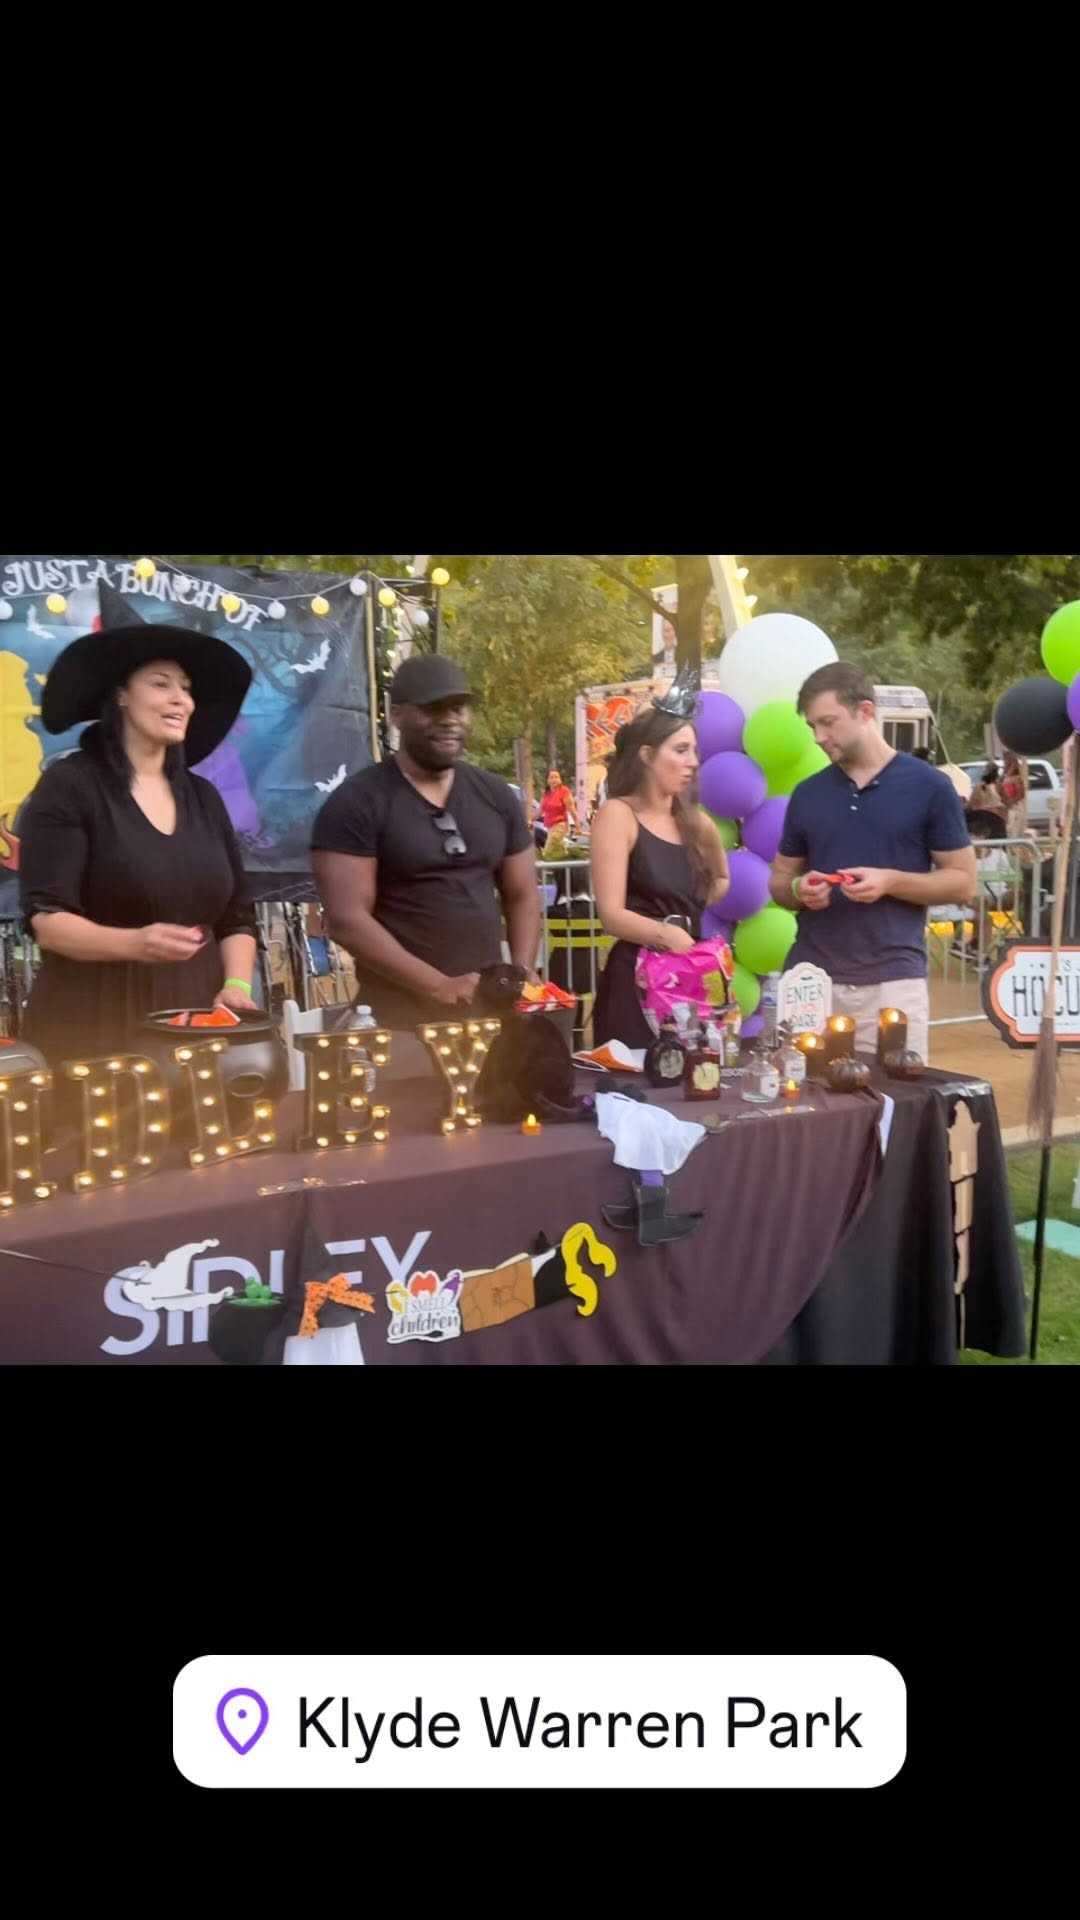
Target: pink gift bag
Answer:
[[701, 979]]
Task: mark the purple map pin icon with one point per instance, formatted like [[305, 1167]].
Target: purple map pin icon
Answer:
[[234, 1717]]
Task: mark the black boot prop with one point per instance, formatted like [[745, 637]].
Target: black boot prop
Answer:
[[648, 1212], [622, 1218]]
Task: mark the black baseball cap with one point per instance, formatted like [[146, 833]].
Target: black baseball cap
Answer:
[[427, 677]]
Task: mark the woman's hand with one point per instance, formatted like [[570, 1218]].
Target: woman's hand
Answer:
[[674, 939], [236, 1000], [162, 943]]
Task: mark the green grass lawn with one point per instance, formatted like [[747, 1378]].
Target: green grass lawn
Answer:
[[1059, 1315]]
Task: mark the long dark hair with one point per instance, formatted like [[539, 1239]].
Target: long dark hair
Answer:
[[105, 741], [627, 776]]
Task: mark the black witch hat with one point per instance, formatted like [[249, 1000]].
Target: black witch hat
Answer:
[[315, 1265], [85, 673]]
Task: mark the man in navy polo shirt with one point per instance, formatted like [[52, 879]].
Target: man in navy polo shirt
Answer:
[[895, 829]]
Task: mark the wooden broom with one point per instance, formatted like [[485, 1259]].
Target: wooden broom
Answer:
[[1042, 1093]]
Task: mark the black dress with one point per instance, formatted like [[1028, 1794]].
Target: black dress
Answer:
[[659, 881], [88, 848]]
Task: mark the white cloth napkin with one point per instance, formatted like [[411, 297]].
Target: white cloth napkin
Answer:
[[646, 1138]]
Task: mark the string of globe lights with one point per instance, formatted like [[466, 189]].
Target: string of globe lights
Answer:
[[391, 633], [276, 603]]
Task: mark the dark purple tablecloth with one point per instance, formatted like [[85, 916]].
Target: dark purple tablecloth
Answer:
[[782, 1190]]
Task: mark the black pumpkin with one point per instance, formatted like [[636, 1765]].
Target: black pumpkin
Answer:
[[848, 1075], [907, 1065]]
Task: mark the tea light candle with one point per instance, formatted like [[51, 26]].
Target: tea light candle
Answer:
[[813, 1046], [531, 1124], [790, 1089], [892, 1033], [840, 1037]]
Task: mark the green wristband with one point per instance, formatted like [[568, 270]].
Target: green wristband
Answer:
[[795, 885], [244, 985]]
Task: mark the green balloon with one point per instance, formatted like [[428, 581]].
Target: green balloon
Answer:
[[763, 942], [729, 829], [746, 988], [776, 735], [1061, 643], [786, 779]]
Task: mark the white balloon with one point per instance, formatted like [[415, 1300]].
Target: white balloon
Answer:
[[421, 618], [276, 610], [770, 659], [6, 609], [358, 586]]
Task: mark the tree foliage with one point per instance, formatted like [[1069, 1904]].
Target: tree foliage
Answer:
[[533, 630], [537, 628], [963, 626]]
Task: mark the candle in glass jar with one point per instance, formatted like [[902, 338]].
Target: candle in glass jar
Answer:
[[812, 1047], [892, 1032], [840, 1037]]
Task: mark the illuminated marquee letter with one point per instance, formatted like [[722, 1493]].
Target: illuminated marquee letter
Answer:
[[459, 1049], [215, 1137], [339, 1112], [21, 1149], [119, 1143]]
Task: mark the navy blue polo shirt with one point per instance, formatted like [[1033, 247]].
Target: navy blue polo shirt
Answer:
[[907, 812]]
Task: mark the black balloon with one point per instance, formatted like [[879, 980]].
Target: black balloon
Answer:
[[1033, 716]]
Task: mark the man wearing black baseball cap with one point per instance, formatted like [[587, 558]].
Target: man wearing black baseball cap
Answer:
[[413, 856]]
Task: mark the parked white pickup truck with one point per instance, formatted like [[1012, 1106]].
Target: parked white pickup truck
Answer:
[[1043, 781]]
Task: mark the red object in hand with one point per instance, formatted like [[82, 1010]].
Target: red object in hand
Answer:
[[835, 879]]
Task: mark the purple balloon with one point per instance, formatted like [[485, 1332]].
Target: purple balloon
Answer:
[[761, 832], [713, 927], [1073, 704], [732, 785], [719, 722], [749, 890], [752, 1027]]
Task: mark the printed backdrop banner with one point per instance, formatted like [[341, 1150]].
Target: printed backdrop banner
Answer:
[[305, 723]]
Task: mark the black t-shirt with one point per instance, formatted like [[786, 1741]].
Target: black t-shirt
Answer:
[[441, 907]]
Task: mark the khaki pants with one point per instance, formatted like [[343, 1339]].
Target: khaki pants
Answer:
[[865, 1003]]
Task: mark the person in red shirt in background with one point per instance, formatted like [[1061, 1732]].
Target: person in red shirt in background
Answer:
[[556, 808]]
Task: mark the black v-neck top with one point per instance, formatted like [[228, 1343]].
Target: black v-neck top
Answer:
[[88, 848]]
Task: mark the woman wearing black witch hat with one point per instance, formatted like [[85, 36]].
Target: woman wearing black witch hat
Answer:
[[130, 874]]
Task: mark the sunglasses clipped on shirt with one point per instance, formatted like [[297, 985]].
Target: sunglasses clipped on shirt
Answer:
[[445, 823]]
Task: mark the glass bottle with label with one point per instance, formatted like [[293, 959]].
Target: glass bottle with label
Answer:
[[702, 1073], [770, 995], [665, 1061], [789, 1062]]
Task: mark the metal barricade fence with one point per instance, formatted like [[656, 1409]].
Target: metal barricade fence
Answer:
[[573, 944], [1013, 901], [1015, 893], [1014, 898]]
